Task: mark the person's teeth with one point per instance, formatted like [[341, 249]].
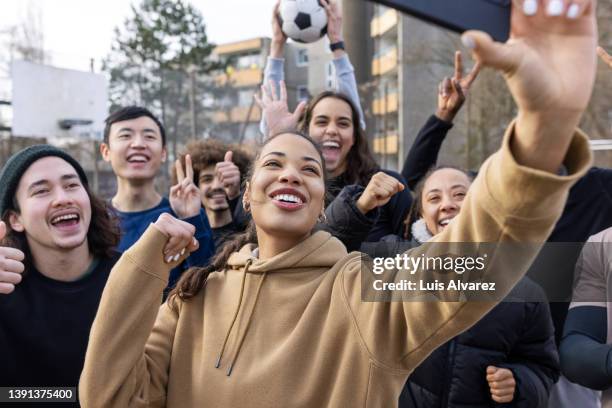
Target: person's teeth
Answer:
[[64, 218], [289, 198]]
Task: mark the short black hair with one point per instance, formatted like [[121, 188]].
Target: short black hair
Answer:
[[132, 112]]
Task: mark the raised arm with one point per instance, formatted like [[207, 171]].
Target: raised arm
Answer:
[[452, 93], [345, 73], [518, 195], [274, 71], [130, 344]]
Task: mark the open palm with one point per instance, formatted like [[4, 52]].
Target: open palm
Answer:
[[544, 57]]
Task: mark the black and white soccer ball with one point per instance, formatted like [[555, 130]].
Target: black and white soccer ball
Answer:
[[303, 21]]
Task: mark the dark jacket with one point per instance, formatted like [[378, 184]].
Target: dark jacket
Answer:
[[391, 216], [515, 335], [588, 211]]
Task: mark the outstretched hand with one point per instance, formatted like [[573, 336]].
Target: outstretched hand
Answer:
[[275, 109], [378, 192], [11, 265], [185, 197], [452, 92], [605, 57], [549, 64]]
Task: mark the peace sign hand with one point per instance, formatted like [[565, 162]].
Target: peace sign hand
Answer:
[[185, 198], [452, 92]]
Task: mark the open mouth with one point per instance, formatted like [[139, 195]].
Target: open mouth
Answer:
[[137, 158], [65, 220], [288, 199], [331, 150], [445, 221]]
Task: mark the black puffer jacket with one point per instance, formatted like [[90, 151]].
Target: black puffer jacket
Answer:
[[515, 335]]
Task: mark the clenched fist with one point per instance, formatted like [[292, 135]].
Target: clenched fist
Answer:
[[501, 383], [180, 235], [11, 265], [379, 191]]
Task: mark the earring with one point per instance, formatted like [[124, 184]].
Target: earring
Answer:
[[322, 218], [246, 206]]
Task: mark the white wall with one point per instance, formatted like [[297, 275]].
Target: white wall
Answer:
[[43, 95]]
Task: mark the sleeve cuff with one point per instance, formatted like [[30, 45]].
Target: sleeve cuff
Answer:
[[435, 120], [148, 253], [343, 65]]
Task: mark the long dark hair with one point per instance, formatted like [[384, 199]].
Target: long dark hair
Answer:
[[360, 163], [103, 234], [194, 279], [416, 209]]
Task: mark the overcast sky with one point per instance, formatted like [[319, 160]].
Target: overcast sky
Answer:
[[77, 30]]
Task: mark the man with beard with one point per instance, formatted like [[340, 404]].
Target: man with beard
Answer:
[[217, 171], [56, 252]]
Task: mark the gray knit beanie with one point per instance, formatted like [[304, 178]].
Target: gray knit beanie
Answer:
[[18, 163]]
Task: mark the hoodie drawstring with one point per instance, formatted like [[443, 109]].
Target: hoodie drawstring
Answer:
[[229, 331], [244, 332]]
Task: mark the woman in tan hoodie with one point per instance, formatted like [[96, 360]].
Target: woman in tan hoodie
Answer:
[[282, 321]]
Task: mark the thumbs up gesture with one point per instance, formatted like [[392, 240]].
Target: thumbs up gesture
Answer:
[[11, 265], [229, 175]]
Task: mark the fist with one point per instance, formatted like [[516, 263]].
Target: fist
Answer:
[[11, 265], [229, 176], [501, 384], [379, 191], [180, 237]]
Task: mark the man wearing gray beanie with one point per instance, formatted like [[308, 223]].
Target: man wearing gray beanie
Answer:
[[56, 252]]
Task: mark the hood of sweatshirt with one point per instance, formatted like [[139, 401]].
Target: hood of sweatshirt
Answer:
[[320, 250]]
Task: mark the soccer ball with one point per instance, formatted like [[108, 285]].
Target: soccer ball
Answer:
[[303, 21]]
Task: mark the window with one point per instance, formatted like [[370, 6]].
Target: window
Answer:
[[302, 57], [302, 93]]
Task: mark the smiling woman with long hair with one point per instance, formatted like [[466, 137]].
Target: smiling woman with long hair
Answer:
[[281, 321]]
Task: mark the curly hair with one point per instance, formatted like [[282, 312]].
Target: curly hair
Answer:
[[206, 153]]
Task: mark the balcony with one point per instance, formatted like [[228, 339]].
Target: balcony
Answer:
[[386, 62], [386, 144], [240, 78], [378, 105], [383, 23], [239, 47], [237, 114]]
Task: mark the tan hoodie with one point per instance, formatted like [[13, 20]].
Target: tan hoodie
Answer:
[[292, 331]]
